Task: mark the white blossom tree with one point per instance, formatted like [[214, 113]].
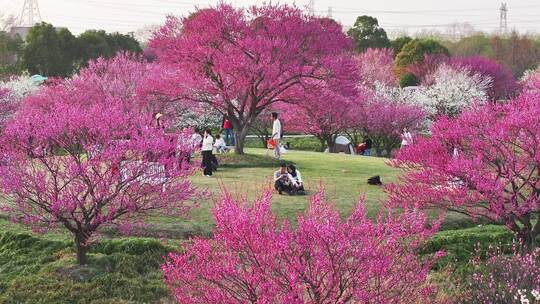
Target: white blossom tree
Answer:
[[12, 92], [407, 95], [200, 117], [452, 90], [530, 81]]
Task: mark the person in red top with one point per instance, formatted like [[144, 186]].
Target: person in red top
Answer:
[[229, 135]]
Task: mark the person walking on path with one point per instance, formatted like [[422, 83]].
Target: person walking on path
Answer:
[[406, 138], [229, 135], [276, 134], [206, 150]]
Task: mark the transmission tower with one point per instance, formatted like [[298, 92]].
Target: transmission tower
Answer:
[[311, 7], [30, 13], [503, 22]]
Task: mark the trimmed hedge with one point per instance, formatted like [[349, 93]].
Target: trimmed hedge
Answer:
[[461, 245]]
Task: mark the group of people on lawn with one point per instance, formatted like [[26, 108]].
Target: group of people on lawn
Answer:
[[288, 178], [207, 146]]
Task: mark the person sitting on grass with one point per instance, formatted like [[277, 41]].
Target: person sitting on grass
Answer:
[[283, 181], [368, 145], [220, 145], [297, 185]]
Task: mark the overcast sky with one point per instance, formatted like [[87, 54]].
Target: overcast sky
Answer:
[[394, 15]]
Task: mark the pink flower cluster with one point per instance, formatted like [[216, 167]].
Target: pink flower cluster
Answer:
[[252, 259], [506, 279]]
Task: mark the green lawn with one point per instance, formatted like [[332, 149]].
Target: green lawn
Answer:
[[343, 176]]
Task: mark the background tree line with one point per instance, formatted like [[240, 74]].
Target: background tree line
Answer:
[[517, 52], [51, 51]]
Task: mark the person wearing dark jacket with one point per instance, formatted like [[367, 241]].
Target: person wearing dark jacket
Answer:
[[368, 144]]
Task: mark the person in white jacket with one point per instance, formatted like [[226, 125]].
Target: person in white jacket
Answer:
[[206, 151], [298, 184], [276, 134], [406, 138], [220, 145]]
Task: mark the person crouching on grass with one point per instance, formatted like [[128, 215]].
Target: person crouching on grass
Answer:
[[283, 181], [297, 186]]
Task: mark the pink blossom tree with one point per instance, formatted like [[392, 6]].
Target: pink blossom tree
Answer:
[[116, 164], [383, 120], [503, 85], [485, 163], [423, 69], [327, 107], [253, 259], [377, 65], [243, 61], [324, 113]]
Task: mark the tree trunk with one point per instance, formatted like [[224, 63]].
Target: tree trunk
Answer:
[[323, 143], [240, 137], [331, 144], [527, 239], [81, 247]]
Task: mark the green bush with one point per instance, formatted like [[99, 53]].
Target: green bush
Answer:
[[408, 80], [461, 245]]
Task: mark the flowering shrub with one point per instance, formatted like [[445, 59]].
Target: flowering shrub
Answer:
[[452, 90], [484, 163], [384, 120], [118, 165], [20, 86], [503, 84], [531, 81], [377, 65], [251, 259], [506, 279]]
